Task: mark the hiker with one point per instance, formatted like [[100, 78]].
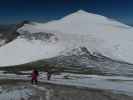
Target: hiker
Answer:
[[34, 76], [49, 72]]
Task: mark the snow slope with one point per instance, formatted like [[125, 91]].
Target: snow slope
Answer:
[[97, 33], [80, 29], [22, 51]]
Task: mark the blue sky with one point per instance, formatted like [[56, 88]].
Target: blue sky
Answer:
[[12, 11]]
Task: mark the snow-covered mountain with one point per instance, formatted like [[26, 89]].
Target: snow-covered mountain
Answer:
[[66, 36]]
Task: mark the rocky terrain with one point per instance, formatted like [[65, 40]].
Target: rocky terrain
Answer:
[[9, 32]]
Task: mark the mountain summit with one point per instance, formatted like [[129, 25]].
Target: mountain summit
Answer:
[[97, 33]]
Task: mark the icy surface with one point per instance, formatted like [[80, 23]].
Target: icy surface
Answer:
[[16, 94], [118, 84]]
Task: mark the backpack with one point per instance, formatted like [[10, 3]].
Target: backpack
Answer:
[[36, 72]]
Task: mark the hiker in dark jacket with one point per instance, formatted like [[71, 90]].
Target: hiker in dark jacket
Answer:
[[49, 72], [34, 76]]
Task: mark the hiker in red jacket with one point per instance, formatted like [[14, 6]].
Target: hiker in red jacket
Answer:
[[34, 76]]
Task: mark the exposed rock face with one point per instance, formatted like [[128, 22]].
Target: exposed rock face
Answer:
[[9, 32], [82, 61], [39, 36]]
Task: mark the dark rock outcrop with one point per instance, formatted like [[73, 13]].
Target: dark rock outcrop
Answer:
[[9, 32]]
